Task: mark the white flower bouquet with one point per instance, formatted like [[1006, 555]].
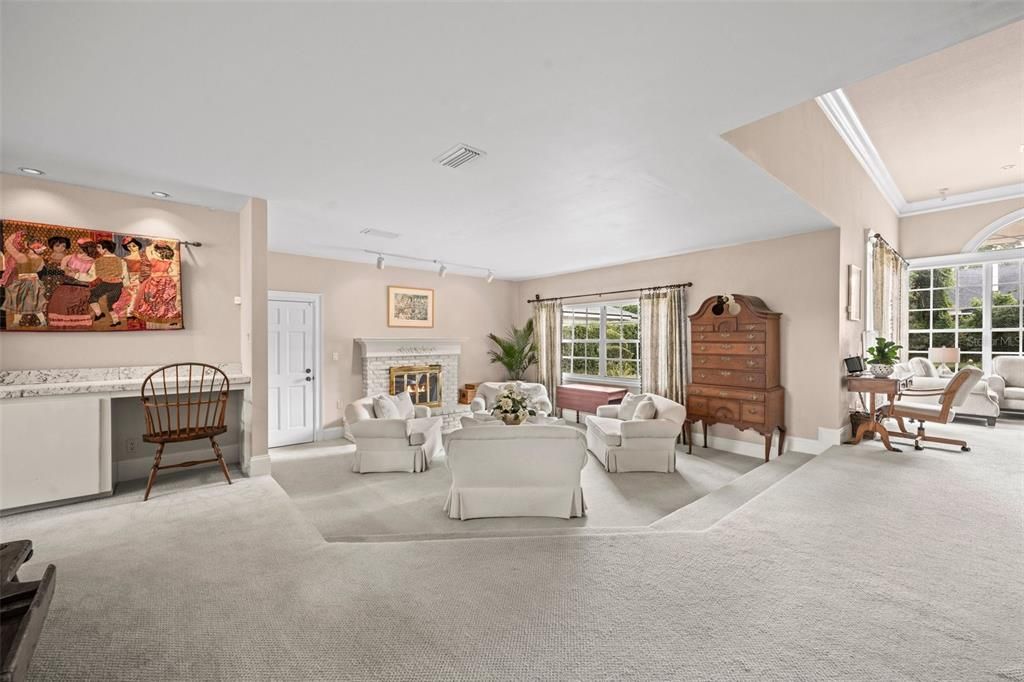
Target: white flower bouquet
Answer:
[[512, 406]]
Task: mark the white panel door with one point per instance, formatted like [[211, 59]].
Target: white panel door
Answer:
[[290, 349]]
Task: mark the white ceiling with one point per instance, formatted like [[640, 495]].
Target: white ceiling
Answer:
[[601, 122]]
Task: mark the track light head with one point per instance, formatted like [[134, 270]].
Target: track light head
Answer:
[[490, 276], [380, 261], [442, 271]]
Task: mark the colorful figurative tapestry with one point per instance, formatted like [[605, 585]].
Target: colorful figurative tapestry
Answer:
[[409, 307], [57, 279]]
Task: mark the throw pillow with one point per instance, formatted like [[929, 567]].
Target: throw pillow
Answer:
[[627, 408], [406, 410], [922, 367], [646, 409], [385, 408]]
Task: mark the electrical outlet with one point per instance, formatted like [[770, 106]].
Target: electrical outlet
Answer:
[[335, 356], [337, 403], [131, 445]]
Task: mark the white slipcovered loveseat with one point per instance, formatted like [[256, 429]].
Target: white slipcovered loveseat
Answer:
[[487, 393], [622, 442], [527, 470], [405, 441]]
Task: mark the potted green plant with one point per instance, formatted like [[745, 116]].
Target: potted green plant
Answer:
[[882, 356], [516, 353]]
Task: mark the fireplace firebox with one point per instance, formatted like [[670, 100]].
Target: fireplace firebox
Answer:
[[421, 382]]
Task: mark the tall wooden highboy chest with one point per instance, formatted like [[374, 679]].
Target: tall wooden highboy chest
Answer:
[[735, 368]]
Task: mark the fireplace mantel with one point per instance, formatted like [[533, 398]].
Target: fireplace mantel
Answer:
[[398, 347]]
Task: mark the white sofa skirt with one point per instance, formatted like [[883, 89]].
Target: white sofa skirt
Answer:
[[477, 503], [638, 457], [411, 459]]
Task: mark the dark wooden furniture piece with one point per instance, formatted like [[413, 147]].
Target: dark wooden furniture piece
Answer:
[[874, 386], [184, 402], [23, 608], [587, 397], [962, 382], [735, 369]]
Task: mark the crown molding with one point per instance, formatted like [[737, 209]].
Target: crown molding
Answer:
[[841, 114]]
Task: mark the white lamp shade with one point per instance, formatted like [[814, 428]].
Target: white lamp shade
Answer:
[[944, 355]]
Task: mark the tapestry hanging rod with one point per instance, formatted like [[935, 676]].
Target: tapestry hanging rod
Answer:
[[879, 238], [538, 299], [196, 244]]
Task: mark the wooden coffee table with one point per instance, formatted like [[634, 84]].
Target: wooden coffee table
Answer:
[[587, 397]]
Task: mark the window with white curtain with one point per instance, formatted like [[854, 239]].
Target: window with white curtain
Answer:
[[601, 341]]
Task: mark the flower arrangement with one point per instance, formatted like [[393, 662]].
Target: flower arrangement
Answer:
[[512, 406]]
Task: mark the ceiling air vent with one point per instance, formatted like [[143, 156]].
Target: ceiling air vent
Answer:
[[383, 234], [459, 155]]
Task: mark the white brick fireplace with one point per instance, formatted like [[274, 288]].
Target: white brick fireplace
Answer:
[[381, 354]]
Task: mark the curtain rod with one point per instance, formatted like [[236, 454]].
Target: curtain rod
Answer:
[[878, 237], [538, 299]]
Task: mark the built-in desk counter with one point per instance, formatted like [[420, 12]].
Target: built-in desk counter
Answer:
[[56, 429]]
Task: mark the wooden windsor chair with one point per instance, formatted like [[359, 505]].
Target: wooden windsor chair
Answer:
[[183, 402]]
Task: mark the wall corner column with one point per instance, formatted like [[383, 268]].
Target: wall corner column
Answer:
[[253, 254]]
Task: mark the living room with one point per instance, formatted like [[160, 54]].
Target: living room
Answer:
[[438, 346]]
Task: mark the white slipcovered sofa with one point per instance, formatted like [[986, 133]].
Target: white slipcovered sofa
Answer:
[[982, 402], [404, 443], [528, 470], [1007, 382], [636, 444], [487, 394]]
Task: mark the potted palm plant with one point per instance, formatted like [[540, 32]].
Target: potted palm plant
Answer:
[[882, 356], [517, 352]]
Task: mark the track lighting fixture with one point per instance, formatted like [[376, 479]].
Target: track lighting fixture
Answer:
[[380, 261], [490, 276], [442, 268], [442, 271]]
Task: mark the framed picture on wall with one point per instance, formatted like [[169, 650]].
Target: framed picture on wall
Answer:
[[55, 278], [854, 295], [408, 307]]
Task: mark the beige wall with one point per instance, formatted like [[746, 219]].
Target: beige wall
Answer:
[[252, 228], [210, 278], [946, 232], [794, 275], [354, 306], [801, 149]]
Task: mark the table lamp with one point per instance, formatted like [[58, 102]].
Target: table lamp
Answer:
[[943, 355]]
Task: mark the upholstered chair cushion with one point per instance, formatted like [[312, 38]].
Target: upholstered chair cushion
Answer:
[[973, 377], [406, 410], [922, 367], [385, 408], [645, 410], [627, 408], [1011, 369]]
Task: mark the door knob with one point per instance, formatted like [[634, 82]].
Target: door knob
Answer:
[[309, 378], [309, 371]]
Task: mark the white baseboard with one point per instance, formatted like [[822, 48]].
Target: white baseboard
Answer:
[[330, 433], [811, 446], [259, 465], [138, 467]]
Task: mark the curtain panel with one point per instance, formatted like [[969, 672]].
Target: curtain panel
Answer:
[[663, 342], [890, 303], [547, 335]]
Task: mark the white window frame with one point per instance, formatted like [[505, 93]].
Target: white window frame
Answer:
[[986, 259], [602, 342]]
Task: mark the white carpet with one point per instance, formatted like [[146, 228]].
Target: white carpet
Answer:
[[860, 565], [346, 506]]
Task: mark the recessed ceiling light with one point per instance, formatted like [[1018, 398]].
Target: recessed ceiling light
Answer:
[[161, 195], [1009, 166], [31, 171]]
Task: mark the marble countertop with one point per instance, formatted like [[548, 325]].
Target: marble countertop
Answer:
[[27, 383]]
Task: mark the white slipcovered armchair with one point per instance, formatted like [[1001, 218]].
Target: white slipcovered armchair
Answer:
[[528, 470], [487, 394], [405, 443], [1007, 382], [644, 444]]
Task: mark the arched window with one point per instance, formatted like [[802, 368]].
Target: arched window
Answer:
[[974, 300]]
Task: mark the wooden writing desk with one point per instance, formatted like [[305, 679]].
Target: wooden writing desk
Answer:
[[874, 386], [587, 397]]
